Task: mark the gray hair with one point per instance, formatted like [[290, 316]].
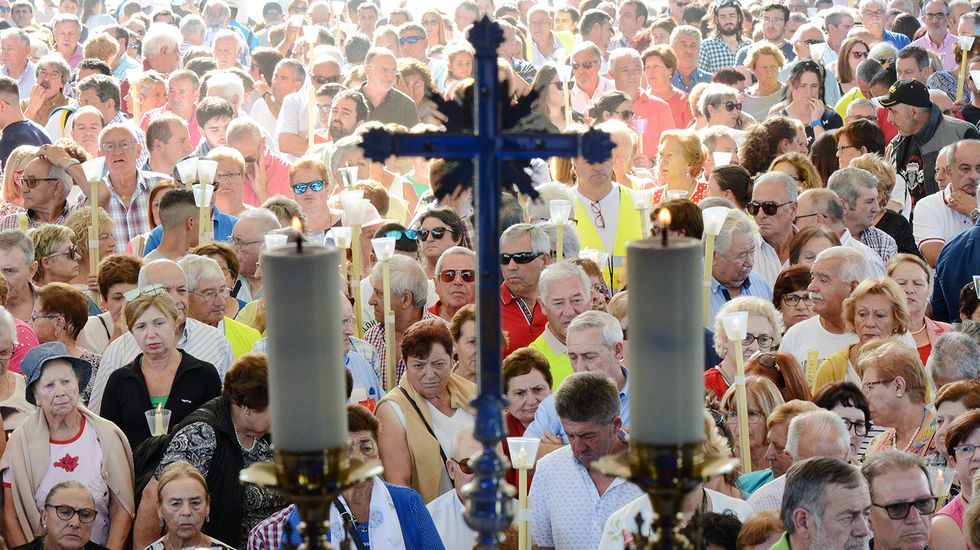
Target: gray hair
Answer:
[[713, 95], [711, 135], [243, 125], [622, 53], [406, 276], [539, 239], [848, 183], [375, 51], [58, 62], [55, 171], [735, 222], [540, 209], [66, 18], [789, 184], [561, 271], [21, 34], [217, 14], [159, 36], [143, 279], [806, 486], [822, 425], [105, 87], [14, 238], [852, 267], [834, 15], [267, 220], [868, 69], [455, 251], [8, 324], [192, 25], [611, 330], [115, 126], [227, 33], [570, 245], [226, 86], [882, 48], [586, 46], [861, 102], [685, 30], [955, 356], [68, 484], [587, 397], [827, 203], [298, 69], [199, 268]]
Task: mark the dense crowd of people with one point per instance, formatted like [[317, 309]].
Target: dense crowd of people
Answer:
[[830, 148]]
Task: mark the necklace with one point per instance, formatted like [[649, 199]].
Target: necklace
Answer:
[[915, 332], [914, 434], [238, 437]]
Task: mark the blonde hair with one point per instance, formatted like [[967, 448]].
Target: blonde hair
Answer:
[[178, 470], [625, 140], [899, 259], [809, 173], [137, 307], [17, 161], [46, 239], [882, 170], [760, 49], [892, 359], [227, 153], [79, 221], [308, 163], [694, 151], [879, 286], [788, 410], [101, 46], [759, 389], [755, 306], [618, 306]]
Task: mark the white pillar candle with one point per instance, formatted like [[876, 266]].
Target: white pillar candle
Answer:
[[306, 369], [667, 366]]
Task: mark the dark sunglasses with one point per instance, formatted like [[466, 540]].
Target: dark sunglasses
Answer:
[[520, 257], [464, 466], [769, 207], [767, 360], [85, 515], [399, 234], [449, 275], [813, 42], [585, 65], [860, 55], [72, 253], [31, 182], [900, 510], [300, 188], [437, 234], [731, 106], [321, 80], [410, 40], [625, 113]]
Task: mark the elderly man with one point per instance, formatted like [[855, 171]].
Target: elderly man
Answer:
[[836, 272], [447, 510], [901, 497], [287, 78], [385, 103], [47, 104], [194, 337], [958, 262], [15, 50], [825, 505], [565, 292], [246, 238], [938, 38], [860, 109], [169, 140], [455, 281], [193, 30], [718, 51], [227, 49], [17, 130], [182, 95], [685, 40], [774, 19], [777, 426], [811, 434], [291, 127], [545, 45], [940, 217], [955, 356], [179, 218], [586, 66], [774, 207], [733, 260], [922, 131], [102, 92], [873, 17], [161, 48], [207, 294], [858, 191], [266, 172], [524, 253], [595, 344], [626, 70], [570, 503], [409, 291], [45, 187], [824, 207], [67, 32], [18, 265]]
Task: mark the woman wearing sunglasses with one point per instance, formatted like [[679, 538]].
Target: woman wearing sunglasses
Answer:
[[720, 106], [551, 105], [853, 51], [804, 101], [57, 257], [439, 229], [963, 446], [308, 180]]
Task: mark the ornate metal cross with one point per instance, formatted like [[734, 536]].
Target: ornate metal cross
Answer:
[[488, 499]]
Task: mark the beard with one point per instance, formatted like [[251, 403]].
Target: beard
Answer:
[[728, 32], [337, 131], [822, 541]]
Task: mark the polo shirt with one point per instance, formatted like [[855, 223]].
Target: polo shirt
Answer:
[[659, 118], [223, 224], [546, 417], [686, 84], [754, 285], [395, 107], [943, 50], [580, 100], [895, 39], [958, 262], [680, 108], [276, 179], [514, 324], [934, 221], [193, 129]]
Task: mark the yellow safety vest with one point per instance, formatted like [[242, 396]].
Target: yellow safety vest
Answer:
[[560, 366], [241, 337], [628, 229]]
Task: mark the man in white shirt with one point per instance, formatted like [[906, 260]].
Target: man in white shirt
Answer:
[[447, 510], [586, 67], [941, 216], [824, 207], [287, 78], [774, 190], [836, 272], [545, 46]]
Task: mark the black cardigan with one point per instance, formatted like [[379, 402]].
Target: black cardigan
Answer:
[[127, 398]]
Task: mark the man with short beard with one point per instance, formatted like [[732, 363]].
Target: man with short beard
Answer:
[[719, 51], [348, 110], [901, 498]]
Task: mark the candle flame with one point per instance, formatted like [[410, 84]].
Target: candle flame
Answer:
[[664, 218], [159, 408], [297, 224]]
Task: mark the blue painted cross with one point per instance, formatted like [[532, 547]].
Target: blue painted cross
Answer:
[[488, 503]]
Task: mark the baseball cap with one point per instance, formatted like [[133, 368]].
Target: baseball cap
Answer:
[[272, 9], [907, 92], [38, 356]]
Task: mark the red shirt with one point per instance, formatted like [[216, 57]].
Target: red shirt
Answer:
[[659, 118], [887, 127], [680, 108], [514, 429], [715, 382], [514, 323], [276, 179]]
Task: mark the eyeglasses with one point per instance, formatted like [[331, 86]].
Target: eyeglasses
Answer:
[[449, 275], [238, 243], [965, 451], [437, 233], [321, 80], [731, 106], [464, 466], [410, 40], [149, 290], [876, 14], [859, 427], [31, 182], [764, 340], [210, 295], [792, 300], [625, 113], [859, 55], [35, 317], [900, 510], [798, 218], [583, 65], [399, 234], [315, 186], [520, 258], [124, 146], [226, 175], [72, 253], [769, 207], [65, 513], [868, 386], [755, 417]]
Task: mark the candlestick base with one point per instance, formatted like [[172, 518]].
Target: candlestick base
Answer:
[[667, 473], [312, 481]]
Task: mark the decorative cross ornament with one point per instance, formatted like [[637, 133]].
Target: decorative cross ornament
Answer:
[[488, 498]]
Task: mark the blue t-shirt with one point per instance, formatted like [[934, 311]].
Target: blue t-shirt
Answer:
[[22, 132], [223, 224]]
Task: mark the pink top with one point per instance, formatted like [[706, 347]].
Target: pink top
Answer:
[[192, 128], [26, 339], [658, 118], [955, 510], [276, 179]]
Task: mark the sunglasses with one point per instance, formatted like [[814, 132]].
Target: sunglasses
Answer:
[[625, 113], [813, 42], [520, 258], [437, 233], [449, 275], [410, 40], [731, 106], [149, 290], [464, 466], [300, 188], [31, 182], [72, 253], [769, 207], [560, 85], [321, 80], [399, 234], [900, 510], [584, 65], [859, 55]]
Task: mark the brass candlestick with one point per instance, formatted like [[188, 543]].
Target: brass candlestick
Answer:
[[312, 481], [667, 473]]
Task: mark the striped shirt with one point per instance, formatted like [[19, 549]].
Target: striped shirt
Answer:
[[202, 341], [882, 243]]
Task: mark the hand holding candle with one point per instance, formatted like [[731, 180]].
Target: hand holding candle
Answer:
[[203, 191], [187, 171], [93, 175], [355, 207], [559, 210], [384, 249], [736, 325], [714, 218], [523, 451], [643, 202], [966, 44]]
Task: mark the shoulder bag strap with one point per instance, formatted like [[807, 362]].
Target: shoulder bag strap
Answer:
[[442, 453], [348, 518]]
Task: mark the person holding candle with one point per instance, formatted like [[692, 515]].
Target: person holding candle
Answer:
[[962, 442], [680, 162], [762, 398], [421, 418], [94, 452], [463, 330], [732, 268], [762, 334], [565, 292], [952, 401], [894, 382], [914, 277], [184, 503], [526, 382]]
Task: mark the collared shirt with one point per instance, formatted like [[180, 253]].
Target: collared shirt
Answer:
[[131, 219], [659, 118], [715, 54], [193, 130], [754, 285], [688, 83], [514, 320], [769, 496], [608, 208], [877, 264], [896, 39], [223, 225], [26, 80], [447, 515], [767, 264], [580, 99], [395, 107], [76, 57], [376, 337], [202, 341], [944, 49], [11, 221], [121, 118], [935, 221], [546, 418], [124, 65], [268, 533], [539, 58], [882, 243], [556, 353], [567, 511]]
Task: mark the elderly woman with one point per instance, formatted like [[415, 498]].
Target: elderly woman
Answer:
[[770, 138], [118, 274], [309, 181], [962, 442], [805, 100], [79, 222], [765, 61], [229, 180], [719, 139], [161, 376], [798, 167], [846, 399], [791, 297], [875, 309], [84, 127], [227, 260], [57, 257], [184, 503], [220, 439], [732, 183], [463, 330], [952, 401], [439, 229], [68, 517], [809, 242], [527, 382], [783, 370], [420, 421], [895, 384], [13, 391], [720, 106], [762, 334], [915, 278], [94, 452], [13, 196], [762, 397], [60, 313], [680, 161]]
